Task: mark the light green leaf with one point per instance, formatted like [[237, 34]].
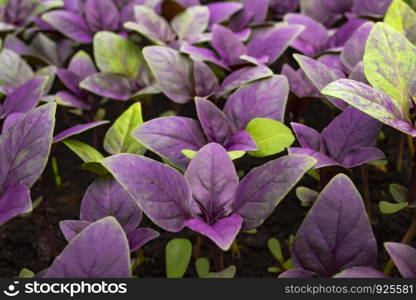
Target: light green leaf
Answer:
[[233, 154], [117, 55], [118, 138], [192, 22], [26, 273], [275, 248], [398, 192], [226, 273], [391, 208], [402, 17], [202, 266], [84, 151], [306, 195], [178, 255], [390, 63], [271, 137]]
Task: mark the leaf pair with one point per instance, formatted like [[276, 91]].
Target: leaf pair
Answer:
[[347, 141], [253, 109], [209, 198]]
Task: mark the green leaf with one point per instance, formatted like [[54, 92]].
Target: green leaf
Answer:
[[26, 273], [275, 248], [273, 269], [398, 192], [84, 151], [271, 137], [390, 63], [233, 154], [117, 55], [288, 264], [95, 167], [118, 138], [391, 208], [178, 255], [379, 163], [202, 267], [306, 195], [402, 17], [226, 273]]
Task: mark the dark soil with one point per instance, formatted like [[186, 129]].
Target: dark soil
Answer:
[[33, 241]]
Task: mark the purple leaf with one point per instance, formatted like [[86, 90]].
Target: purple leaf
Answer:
[[361, 272], [307, 136], [344, 33], [354, 48], [14, 200], [161, 191], [336, 234], [265, 98], [213, 181], [299, 84], [67, 99], [371, 7], [152, 26], [70, 80], [14, 71], [11, 120], [404, 257], [227, 45], [140, 237], [24, 148], [24, 98], [254, 13], [77, 129], [323, 160], [320, 75], [191, 23], [168, 136], [241, 141], [89, 255], [314, 37], [107, 85], [203, 54], [82, 65], [106, 197], [69, 24], [214, 122], [241, 77], [221, 11], [274, 42], [206, 83], [223, 232], [102, 15], [264, 187], [298, 273], [71, 228], [350, 129], [173, 72]]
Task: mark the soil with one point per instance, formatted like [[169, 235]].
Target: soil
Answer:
[[33, 241]]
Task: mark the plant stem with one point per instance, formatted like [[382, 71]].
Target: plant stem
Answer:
[[366, 191], [399, 158], [219, 259], [197, 247]]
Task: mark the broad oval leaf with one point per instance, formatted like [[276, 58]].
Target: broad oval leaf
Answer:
[[173, 72], [106, 197], [178, 254], [191, 23], [24, 147], [402, 17], [264, 187], [336, 234], [390, 63], [119, 139], [102, 15], [271, 137], [89, 255], [14, 201], [161, 191], [116, 54]]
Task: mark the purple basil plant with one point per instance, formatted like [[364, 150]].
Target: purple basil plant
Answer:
[[335, 238], [81, 19], [209, 198], [174, 137], [348, 141], [264, 47], [106, 197], [24, 151]]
